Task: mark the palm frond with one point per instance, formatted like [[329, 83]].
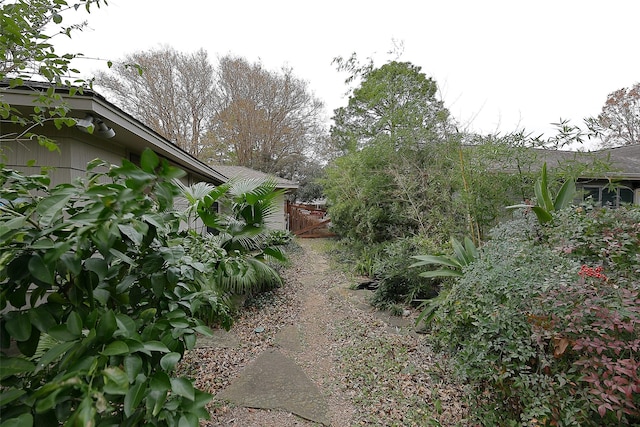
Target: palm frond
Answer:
[[251, 188], [247, 276], [194, 192], [275, 253]]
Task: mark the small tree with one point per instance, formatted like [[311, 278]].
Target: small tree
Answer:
[[394, 178], [27, 28]]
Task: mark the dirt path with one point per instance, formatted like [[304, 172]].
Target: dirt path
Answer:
[[370, 369]]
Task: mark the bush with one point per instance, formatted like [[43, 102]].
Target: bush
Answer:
[[100, 291], [606, 237], [397, 283], [483, 322], [592, 326], [540, 337]]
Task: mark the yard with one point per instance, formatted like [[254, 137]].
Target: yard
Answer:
[[371, 368]]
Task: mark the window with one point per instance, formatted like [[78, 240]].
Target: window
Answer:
[[608, 197]]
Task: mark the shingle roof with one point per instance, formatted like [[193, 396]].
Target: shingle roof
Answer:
[[625, 160], [232, 172]]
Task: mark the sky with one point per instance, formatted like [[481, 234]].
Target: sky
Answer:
[[501, 66]]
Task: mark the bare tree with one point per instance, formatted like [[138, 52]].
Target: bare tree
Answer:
[[171, 92], [266, 120], [619, 121]]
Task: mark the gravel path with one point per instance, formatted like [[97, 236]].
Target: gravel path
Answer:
[[372, 369]]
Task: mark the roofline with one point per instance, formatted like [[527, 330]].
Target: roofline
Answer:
[[614, 175], [90, 100]]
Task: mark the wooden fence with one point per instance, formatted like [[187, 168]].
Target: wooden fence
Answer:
[[307, 221]]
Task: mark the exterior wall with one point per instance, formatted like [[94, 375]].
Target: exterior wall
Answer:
[[76, 149], [278, 220]]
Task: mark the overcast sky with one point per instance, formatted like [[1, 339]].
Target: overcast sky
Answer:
[[500, 65]]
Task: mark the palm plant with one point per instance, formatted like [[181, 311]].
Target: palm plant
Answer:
[[240, 231], [199, 199]]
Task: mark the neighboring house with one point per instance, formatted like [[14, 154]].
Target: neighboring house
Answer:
[[625, 173], [117, 135]]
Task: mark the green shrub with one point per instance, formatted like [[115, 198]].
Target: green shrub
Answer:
[[397, 282], [483, 321], [100, 291], [595, 236], [278, 238], [249, 249], [463, 255], [540, 337]]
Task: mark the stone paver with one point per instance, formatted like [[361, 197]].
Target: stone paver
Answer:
[[274, 381]]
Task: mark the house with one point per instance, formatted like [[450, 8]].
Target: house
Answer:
[[116, 136], [609, 176], [624, 173]]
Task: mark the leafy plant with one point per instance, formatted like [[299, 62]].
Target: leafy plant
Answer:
[[546, 201], [606, 237], [596, 328], [464, 254], [535, 345], [26, 50], [97, 270], [398, 284], [240, 232]]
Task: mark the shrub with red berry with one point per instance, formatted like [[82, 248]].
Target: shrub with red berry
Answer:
[[595, 326]]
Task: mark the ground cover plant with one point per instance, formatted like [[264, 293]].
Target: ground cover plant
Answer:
[[544, 326], [103, 289]]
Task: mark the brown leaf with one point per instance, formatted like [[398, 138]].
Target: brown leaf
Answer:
[[560, 345]]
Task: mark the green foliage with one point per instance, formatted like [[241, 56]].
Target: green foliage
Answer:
[[606, 237], [406, 173], [541, 340], [464, 254], [101, 295], [247, 241], [495, 170], [355, 186], [26, 51], [396, 100], [393, 179], [279, 238], [547, 203], [389, 265]]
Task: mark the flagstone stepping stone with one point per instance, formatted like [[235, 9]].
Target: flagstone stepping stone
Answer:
[[274, 381]]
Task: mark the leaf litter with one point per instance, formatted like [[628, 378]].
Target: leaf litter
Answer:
[[371, 373]]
